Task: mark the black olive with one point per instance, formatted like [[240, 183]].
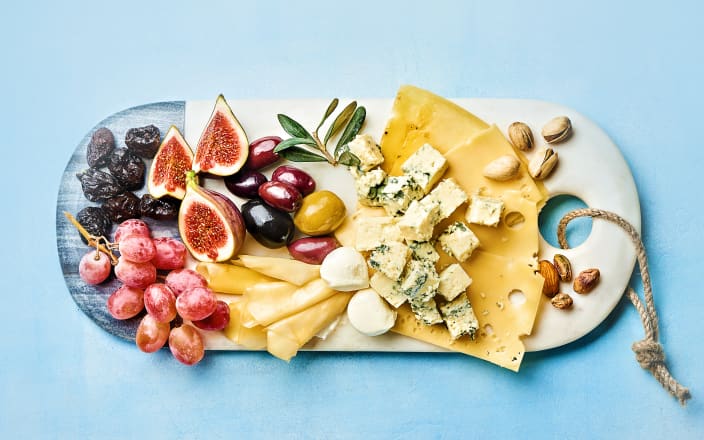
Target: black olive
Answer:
[[122, 207], [143, 141], [127, 168], [99, 186], [164, 208], [269, 226], [99, 148], [95, 221]]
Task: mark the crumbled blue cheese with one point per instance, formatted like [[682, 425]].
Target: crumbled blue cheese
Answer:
[[421, 281], [458, 241], [388, 289], [426, 166], [390, 258], [426, 311], [373, 231], [447, 195], [398, 193], [367, 186], [485, 210], [460, 318], [423, 251], [418, 222], [366, 150], [453, 281]]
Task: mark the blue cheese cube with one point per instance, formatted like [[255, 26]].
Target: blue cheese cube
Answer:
[[447, 195], [426, 166], [366, 150], [460, 318], [485, 210], [426, 311], [421, 281], [370, 232], [458, 241], [367, 185], [423, 251], [390, 258], [397, 193], [388, 289], [453, 281], [418, 222]]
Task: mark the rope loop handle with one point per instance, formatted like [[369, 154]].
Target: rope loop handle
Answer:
[[649, 352]]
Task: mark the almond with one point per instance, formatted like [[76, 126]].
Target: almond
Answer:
[[552, 279]]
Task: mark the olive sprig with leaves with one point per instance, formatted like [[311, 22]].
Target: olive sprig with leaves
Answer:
[[304, 146]]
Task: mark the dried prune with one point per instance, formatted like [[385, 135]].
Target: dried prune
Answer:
[[95, 221], [164, 208], [122, 207], [99, 186], [99, 148], [143, 141], [128, 168]]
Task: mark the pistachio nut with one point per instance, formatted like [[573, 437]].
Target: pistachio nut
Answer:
[[520, 136], [542, 163], [502, 168], [557, 129]]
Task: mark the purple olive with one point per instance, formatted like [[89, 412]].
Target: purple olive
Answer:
[[281, 195], [312, 250], [245, 183], [261, 152], [295, 177]]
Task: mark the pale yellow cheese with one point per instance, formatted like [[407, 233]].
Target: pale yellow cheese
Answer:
[[228, 278], [285, 269], [286, 337], [501, 323], [419, 117], [467, 162], [279, 301], [252, 338]]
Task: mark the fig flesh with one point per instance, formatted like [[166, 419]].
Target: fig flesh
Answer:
[[210, 224], [167, 174], [223, 147]]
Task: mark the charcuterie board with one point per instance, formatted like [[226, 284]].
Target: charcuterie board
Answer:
[[591, 168]]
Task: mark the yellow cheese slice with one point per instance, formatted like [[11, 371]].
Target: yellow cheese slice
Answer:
[[346, 234], [228, 278], [286, 337], [285, 269], [420, 117], [264, 296], [467, 162], [494, 295], [269, 305], [253, 338]]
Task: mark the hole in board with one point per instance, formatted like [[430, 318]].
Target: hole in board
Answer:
[[517, 297], [514, 220], [577, 230]]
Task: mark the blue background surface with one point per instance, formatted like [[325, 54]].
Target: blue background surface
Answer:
[[635, 68]]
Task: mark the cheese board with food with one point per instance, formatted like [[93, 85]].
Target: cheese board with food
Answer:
[[406, 224]]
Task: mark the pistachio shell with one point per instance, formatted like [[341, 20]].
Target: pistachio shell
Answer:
[[520, 136], [502, 168], [557, 129], [543, 163]]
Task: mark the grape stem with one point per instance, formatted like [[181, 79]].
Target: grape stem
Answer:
[[92, 240]]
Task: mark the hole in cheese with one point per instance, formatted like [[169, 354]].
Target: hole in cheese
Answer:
[[514, 220], [578, 230], [489, 329], [517, 297]]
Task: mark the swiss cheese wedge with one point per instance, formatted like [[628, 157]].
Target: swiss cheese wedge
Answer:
[[506, 291]]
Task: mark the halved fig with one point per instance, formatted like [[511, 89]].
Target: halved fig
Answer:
[[167, 174], [210, 224], [223, 146]]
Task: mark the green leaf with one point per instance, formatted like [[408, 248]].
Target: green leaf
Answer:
[[351, 130], [331, 108], [288, 143], [298, 154], [293, 128], [349, 159], [340, 121]]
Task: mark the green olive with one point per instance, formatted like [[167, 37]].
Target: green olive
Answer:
[[320, 213]]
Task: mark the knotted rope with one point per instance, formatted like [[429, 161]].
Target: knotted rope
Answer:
[[649, 351]]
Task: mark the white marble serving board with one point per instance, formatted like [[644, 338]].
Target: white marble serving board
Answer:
[[591, 168]]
